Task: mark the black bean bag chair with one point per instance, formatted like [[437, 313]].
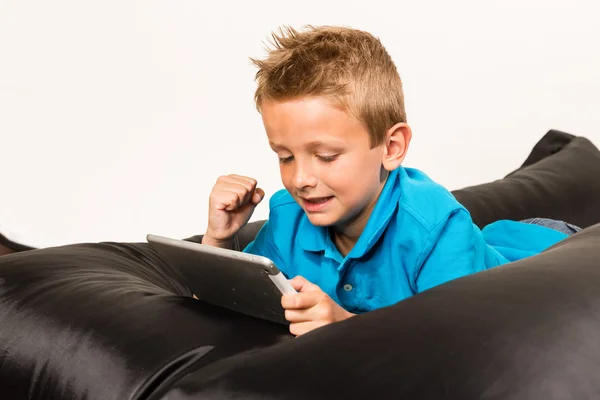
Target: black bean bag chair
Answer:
[[529, 330], [113, 321], [8, 246]]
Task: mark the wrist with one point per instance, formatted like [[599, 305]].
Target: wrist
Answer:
[[222, 243]]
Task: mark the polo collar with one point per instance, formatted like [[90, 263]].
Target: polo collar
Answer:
[[316, 238]]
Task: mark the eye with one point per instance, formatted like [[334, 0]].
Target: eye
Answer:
[[328, 159], [286, 160]]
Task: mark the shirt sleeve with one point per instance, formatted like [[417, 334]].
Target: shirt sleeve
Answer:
[[454, 248]]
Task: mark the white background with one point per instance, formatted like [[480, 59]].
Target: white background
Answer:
[[117, 116]]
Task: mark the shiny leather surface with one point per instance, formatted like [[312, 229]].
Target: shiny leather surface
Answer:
[[107, 321], [525, 331]]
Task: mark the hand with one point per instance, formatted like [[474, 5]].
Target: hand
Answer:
[[231, 204], [310, 308]]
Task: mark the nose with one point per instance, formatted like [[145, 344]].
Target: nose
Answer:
[[303, 177]]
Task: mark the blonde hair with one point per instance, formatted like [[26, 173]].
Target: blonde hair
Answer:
[[350, 66]]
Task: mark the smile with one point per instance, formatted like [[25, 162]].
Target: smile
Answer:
[[316, 203]]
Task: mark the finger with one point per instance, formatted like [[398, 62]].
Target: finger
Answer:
[[301, 328], [249, 179], [239, 196], [298, 315], [252, 194], [324, 310], [240, 199], [301, 284], [229, 183], [246, 190], [258, 195], [247, 182], [223, 202], [226, 200], [301, 301], [298, 282]]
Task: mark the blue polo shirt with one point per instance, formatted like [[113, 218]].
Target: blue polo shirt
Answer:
[[418, 236]]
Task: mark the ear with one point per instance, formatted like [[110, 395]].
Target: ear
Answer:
[[396, 143]]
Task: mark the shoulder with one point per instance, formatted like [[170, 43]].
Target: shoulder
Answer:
[[426, 201], [281, 224], [283, 209], [282, 199]]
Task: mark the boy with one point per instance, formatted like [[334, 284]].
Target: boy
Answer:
[[356, 229]]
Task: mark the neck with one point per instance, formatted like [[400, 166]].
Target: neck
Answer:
[[345, 235], [343, 242]]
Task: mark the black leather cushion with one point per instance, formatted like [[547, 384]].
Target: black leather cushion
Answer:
[[560, 179], [112, 321], [108, 321], [14, 246], [528, 330]]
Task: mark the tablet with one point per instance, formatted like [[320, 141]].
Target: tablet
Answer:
[[238, 281]]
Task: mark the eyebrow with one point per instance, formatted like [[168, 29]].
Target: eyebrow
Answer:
[[311, 145], [275, 146]]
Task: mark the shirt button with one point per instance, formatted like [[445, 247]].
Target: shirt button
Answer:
[[347, 287]]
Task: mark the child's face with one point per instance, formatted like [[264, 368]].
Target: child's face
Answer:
[[325, 159]]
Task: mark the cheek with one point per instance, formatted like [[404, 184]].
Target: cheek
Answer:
[[349, 171], [286, 176], [355, 177], [341, 178]]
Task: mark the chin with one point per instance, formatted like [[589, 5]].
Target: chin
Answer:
[[321, 219]]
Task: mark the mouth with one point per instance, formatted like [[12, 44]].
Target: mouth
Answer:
[[314, 204]]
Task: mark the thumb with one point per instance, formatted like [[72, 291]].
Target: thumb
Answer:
[[301, 284], [258, 195]]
